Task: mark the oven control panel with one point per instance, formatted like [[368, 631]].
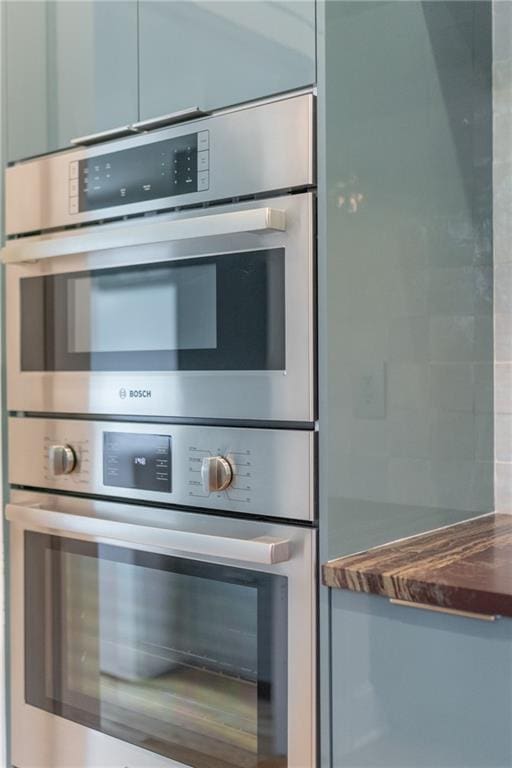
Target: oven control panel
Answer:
[[252, 150], [268, 472], [134, 460], [160, 169]]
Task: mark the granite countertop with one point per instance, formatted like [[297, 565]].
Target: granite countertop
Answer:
[[465, 567]]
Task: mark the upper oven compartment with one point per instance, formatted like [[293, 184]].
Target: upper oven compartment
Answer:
[[250, 151], [204, 314]]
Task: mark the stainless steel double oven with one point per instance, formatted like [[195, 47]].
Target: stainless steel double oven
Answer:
[[161, 391]]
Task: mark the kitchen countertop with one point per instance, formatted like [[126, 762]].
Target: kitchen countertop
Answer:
[[464, 567]]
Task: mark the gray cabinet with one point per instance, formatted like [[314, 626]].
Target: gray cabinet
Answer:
[[71, 70], [416, 688], [76, 68], [213, 54], [26, 112]]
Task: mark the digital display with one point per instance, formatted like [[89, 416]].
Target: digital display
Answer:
[[137, 461], [147, 172]]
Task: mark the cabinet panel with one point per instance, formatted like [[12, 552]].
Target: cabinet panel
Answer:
[[26, 110], [214, 54], [415, 688], [71, 70]]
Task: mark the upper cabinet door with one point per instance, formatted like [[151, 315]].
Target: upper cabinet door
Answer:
[[26, 111], [213, 54], [72, 70]]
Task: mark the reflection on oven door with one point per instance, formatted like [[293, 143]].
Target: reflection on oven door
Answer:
[[184, 658], [152, 621]]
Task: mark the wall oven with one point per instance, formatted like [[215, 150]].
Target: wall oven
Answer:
[[145, 638], [121, 306], [146, 635], [160, 301]]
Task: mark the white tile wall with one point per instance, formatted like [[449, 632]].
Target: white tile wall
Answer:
[[409, 274], [502, 201]]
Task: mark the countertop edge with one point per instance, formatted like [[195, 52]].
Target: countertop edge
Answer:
[[478, 551]]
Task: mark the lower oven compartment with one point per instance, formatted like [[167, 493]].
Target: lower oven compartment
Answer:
[[186, 659], [141, 655]]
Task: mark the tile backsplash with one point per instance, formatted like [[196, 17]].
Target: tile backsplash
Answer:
[[408, 379], [502, 210]]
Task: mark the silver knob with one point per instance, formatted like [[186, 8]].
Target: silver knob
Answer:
[[62, 459], [216, 473]]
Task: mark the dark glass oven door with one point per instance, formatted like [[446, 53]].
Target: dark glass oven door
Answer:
[[183, 658], [222, 312]]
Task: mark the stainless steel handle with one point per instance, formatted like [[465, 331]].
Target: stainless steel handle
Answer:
[[174, 117], [100, 238], [441, 609], [262, 549], [95, 138]]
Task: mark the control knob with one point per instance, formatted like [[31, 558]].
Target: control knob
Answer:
[[62, 459], [216, 473]]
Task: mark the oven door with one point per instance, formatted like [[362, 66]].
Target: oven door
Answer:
[[203, 314], [143, 646]]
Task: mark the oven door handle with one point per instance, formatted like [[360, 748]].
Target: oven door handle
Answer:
[[101, 237], [266, 550]]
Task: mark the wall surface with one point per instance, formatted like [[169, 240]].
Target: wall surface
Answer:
[[406, 383], [502, 191], [406, 343]]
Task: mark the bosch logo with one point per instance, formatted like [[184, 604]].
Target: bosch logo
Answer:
[[134, 393], [139, 393]]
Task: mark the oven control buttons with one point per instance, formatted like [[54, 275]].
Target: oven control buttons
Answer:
[[62, 459], [216, 473]]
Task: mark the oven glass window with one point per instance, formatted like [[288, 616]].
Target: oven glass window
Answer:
[[185, 659], [212, 313]]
